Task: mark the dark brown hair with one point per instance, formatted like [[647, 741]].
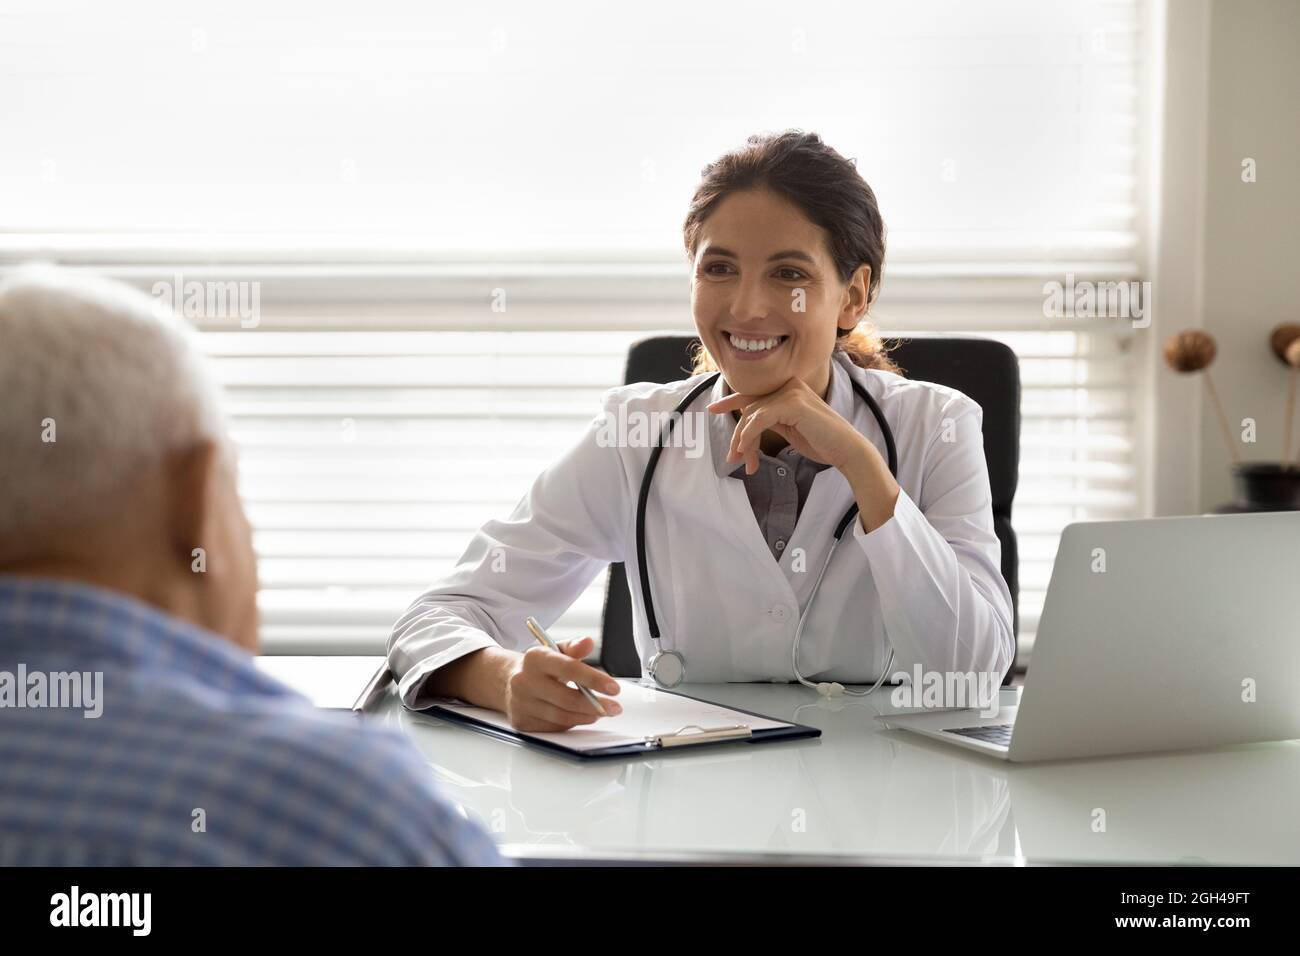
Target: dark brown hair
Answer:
[[831, 193]]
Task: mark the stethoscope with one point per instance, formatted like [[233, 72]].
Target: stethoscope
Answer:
[[668, 668]]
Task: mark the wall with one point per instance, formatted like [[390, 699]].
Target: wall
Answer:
[[1250, 267]]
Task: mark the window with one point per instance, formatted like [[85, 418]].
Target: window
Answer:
[[368, 459], [383, 174], [994, 133]]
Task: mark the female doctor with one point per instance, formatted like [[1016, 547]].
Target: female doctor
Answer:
[[740, 518]]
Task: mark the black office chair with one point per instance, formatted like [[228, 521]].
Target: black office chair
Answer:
[[985, 370]]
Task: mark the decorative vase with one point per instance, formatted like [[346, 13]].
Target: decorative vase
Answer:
[[1267, 485]]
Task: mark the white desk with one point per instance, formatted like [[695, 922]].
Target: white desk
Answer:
[[858, 792]]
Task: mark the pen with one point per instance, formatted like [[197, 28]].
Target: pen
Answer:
[[545, 640]]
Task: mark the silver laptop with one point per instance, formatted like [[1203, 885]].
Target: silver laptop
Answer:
[[1156, 634]]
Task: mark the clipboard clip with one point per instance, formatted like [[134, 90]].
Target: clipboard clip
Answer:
[[695, 734]]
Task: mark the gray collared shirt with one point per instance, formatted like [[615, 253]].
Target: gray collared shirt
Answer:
[[778, 489]]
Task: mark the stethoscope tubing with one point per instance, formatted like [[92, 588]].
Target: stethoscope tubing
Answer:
[[643, 497]]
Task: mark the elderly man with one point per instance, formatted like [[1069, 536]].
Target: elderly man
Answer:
[[134, 726]]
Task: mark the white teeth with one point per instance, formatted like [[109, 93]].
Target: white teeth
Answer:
[[754, 345]]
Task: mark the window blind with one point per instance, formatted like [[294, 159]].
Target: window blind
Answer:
[[369, 458], [999, 136], [380, 169]]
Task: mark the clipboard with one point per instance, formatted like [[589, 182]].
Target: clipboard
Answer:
[[730, 725]]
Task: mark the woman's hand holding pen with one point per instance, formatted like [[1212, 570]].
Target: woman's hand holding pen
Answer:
[[537, 697], [815, 430]]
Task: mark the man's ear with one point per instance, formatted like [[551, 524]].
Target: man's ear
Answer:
[[191, 485], [855, 297]]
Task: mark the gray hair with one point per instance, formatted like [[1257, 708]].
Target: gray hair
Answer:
[[98, 383]]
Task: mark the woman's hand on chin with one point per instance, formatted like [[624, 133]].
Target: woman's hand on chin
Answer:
[[800, 416], [815, 430]]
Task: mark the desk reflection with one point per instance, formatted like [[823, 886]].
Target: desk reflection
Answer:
[[854, 791]]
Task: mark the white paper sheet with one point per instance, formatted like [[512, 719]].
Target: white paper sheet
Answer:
[[647, 712]]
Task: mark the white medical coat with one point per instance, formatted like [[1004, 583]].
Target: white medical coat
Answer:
[[928, 579]]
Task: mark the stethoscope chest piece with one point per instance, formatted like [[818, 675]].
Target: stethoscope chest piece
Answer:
[[667, 668]]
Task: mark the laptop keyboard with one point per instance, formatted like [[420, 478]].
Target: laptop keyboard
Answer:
[[997, 734]]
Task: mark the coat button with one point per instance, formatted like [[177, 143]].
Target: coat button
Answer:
[[781, 472], [780, 613]]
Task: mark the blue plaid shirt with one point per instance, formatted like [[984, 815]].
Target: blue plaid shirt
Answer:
[[198, 757]]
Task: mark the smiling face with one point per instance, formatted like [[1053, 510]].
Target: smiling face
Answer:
[[766, 295]]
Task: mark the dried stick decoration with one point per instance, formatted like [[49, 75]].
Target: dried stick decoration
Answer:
[[1285, 342], [1192, 351]]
